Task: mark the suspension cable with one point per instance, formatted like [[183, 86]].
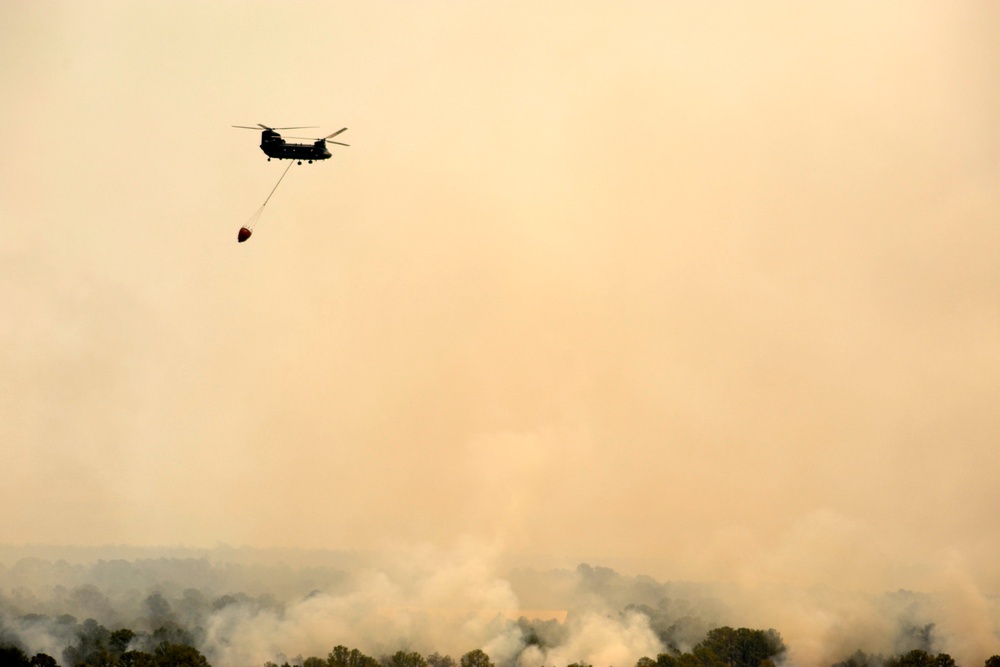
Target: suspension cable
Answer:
[[256, 216], [277, 184]]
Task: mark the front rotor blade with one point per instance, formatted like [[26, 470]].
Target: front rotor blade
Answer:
[[244, 127]]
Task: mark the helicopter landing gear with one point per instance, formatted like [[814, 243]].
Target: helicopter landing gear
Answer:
[[300, 161], [310, 162], [268, 159]]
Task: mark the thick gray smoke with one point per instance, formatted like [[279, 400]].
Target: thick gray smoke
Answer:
[[243, 608]]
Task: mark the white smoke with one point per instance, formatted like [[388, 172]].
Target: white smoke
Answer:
[[451, 601], [426, 600], [600, 640]]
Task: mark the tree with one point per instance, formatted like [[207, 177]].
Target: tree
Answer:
[[475, 658], [137, 659], [861, 659], [405, 659], [179, 655], [43, 660], [341, 656], [992, 661], [158, 608], [741, 647], [688, 660], [662, 660], [91, 647], [119, 641], [171, 633], [13, 656], [918, 657], [437, 660]]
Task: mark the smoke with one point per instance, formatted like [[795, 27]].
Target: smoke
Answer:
[[427, 602], [597, 639], [704, 291], [453, 601]]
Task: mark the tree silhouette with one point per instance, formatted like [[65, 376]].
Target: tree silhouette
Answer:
[[475, 658], [404, 659], [179, 655], [13, 656]]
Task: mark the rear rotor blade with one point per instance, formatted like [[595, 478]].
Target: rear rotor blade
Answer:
[[315, 139], [327, 138], [244, 127]]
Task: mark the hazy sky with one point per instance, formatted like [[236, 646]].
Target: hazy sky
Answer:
[[701, 289]]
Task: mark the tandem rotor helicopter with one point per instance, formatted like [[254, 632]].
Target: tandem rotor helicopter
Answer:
[[275, 147]]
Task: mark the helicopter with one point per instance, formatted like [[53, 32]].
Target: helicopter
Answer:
[[275, 147]]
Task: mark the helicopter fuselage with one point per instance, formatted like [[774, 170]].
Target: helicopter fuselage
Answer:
[[275, 147]]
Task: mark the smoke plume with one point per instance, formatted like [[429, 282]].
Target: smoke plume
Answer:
[[249, 611]]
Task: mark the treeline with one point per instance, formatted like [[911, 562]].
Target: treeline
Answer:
[[726, 647], [914, 658], [341, 656], [96, 646], [722, 647], [93, 645], [165, 655]]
